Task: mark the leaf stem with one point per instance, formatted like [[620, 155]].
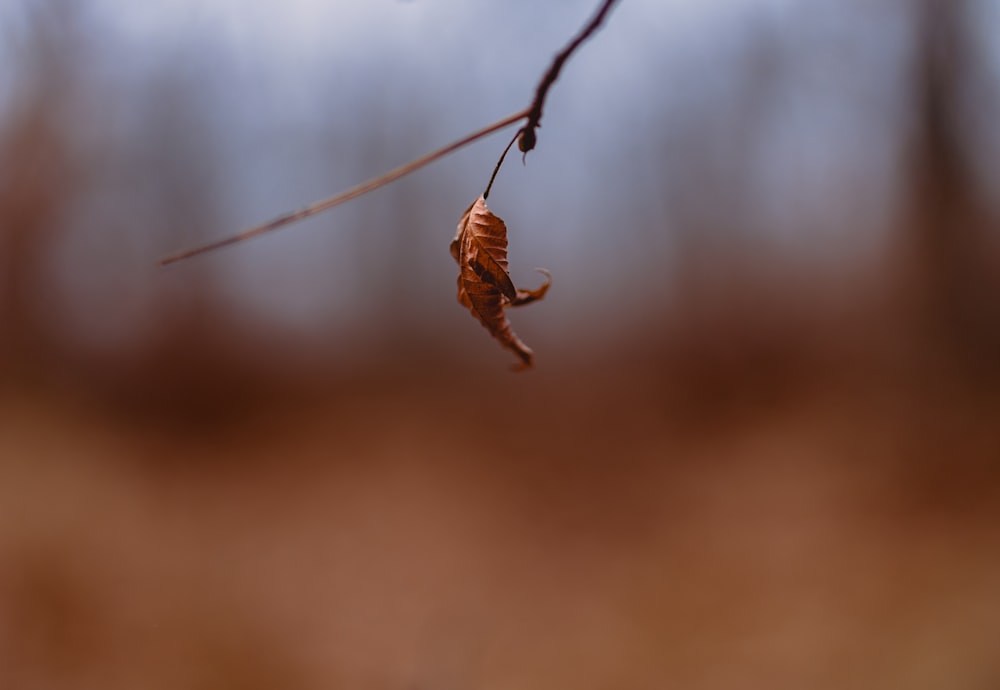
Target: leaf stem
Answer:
[[348, 194], [499, 163]]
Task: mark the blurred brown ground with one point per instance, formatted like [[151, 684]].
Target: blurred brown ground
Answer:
[[771, 484]]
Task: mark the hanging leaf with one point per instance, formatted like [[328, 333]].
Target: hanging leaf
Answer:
[[484, 285]]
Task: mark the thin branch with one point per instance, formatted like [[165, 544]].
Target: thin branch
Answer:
[[526, 140], [347, 195]]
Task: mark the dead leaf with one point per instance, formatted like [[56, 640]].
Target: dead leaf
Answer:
[[484, 285]]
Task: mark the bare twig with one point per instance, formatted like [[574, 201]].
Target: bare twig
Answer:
[[347, 195], [527, 138]]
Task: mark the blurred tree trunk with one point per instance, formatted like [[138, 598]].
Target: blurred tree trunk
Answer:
[[27, 210], [950, 261], [38, 176]]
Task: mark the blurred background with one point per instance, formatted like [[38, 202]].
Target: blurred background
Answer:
[[760, 446]]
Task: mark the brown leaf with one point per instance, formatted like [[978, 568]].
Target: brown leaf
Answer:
[[484, 286]]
